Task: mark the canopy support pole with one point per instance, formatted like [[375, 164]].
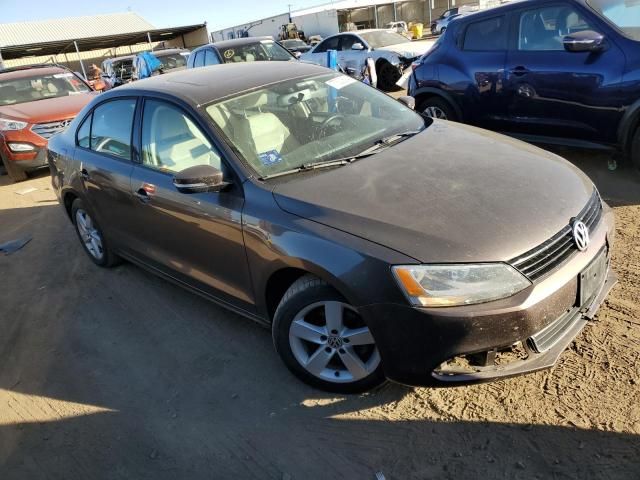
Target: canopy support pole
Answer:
[[84, 72]]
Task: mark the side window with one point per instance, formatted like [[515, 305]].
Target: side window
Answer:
[[199, 60], [111, 127], [348, 41], [328, 44], [171, 141], [83, 134], [210, 58], [542, 29], [486, 35]]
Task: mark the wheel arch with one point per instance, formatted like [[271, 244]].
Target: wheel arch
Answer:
[[68, 197], [424, 93], [279, 281], [628, 125]]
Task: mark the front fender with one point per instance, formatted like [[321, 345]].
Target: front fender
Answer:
[[274, 239], [627, 126]]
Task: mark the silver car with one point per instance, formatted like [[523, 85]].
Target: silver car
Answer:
[[440, 24], [391, 52]]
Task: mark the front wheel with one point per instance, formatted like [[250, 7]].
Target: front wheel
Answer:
[[16, 174], [436, 107], [388, 75], [324, 341]]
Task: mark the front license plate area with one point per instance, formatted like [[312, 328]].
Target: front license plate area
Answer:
[[592, 277]]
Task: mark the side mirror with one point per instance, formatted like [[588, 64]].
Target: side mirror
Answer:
[[199, 179], [585, 41], [408, 102], [357, 46]]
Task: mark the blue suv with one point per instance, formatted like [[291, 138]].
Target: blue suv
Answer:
[[548, 71]]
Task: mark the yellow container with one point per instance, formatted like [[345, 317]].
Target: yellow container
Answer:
[[416, 30]]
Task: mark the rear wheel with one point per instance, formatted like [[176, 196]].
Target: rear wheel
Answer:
[[16, 174], [91, 237], [324, 341], [436, 107]]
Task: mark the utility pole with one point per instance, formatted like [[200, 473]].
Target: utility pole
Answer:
[[290, 19]]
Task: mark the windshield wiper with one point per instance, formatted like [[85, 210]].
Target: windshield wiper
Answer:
[[380, 145]]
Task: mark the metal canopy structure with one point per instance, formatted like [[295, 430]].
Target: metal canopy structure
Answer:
[[12, 52]]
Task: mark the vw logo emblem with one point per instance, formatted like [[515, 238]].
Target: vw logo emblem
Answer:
[[581, 235], [65, 123], [334, 341]]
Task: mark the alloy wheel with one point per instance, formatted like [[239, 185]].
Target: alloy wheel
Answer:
[[89, 234], [331, 341], [435, 112]]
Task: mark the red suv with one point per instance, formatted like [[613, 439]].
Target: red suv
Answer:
[[36, 102]]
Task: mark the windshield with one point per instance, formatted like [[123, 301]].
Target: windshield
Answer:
[[256, 52], [40, 87], [625, 14], [293, 43], [171, 61], [307, 120], [380, 38]]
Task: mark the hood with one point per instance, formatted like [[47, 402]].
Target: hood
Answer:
[[47, 110], [410, 49], [451, 194]]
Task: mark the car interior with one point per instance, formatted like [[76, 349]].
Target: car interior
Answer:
[[545, 29]]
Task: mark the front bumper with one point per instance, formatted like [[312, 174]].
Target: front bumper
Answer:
[[24, 160], [415, 343]]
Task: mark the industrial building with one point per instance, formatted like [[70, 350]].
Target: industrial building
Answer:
[[334, 17], [77, 42]]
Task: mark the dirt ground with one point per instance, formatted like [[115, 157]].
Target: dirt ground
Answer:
[[116, 374]]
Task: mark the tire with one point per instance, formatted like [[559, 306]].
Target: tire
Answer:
[[91, 237], [15, 174], [437, 107], [634, 160], [315, 352], [388, 75]]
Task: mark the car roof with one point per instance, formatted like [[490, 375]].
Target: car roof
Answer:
[[206, 84], [237, 42], [169, 51], [25, 72]]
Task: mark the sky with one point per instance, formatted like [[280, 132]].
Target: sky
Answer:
[[162, 13]]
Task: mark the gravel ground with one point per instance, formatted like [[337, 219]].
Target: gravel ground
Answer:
[[118, 374]]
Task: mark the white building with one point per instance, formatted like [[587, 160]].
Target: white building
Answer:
[[331, 18]]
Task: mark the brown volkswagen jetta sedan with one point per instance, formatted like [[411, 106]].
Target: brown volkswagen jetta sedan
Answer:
[[373, 242]]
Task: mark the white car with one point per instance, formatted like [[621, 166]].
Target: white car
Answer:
[[391, 52]]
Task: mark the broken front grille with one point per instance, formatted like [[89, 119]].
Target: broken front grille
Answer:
[[554, 252]]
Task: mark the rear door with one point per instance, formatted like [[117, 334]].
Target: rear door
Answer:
[[104, 155], [556, 93], [483, 46], [195, 238]]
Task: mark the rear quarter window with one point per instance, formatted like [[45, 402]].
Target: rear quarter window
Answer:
[[486, 35]]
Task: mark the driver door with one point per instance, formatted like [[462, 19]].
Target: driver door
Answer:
[[194, 238]]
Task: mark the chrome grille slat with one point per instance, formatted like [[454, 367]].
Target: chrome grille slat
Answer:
[[49, 129], [554, 252]]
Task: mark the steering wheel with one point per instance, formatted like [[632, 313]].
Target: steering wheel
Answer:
[[327, 124]]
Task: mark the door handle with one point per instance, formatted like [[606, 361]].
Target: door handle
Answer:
[[518, 71], [84, 174], [143, 196], [145, 192]]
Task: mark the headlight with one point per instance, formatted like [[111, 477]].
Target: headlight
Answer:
[[6, 124], [452, 285]]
